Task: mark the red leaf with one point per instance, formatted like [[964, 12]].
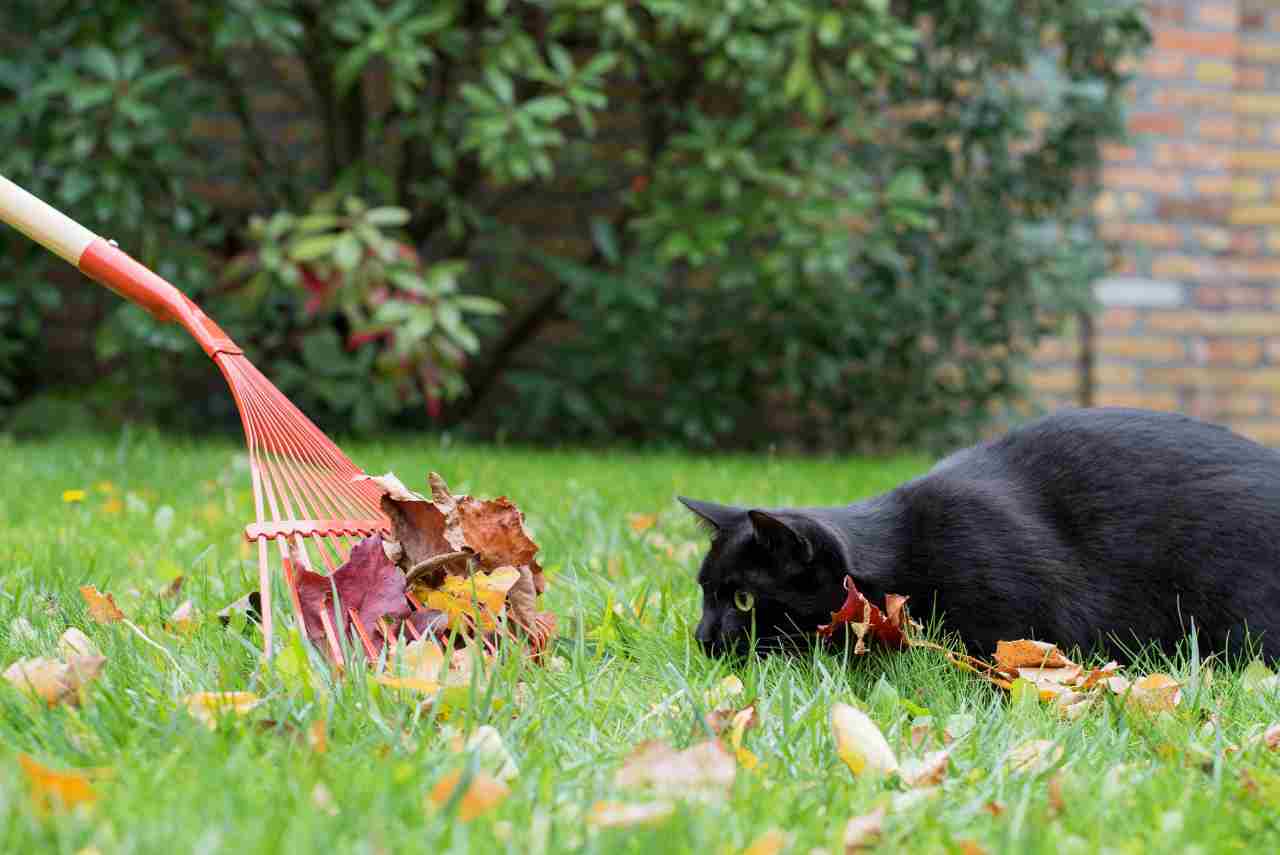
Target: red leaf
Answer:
[[858, 610], [367, 583]]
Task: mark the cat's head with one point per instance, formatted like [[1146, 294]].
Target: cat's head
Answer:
[[770, 575]]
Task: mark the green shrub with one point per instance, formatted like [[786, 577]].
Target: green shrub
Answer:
[[743, 222]]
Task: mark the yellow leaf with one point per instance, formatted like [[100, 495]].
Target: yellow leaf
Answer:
[[182, 621], [105, 487], [72, 496], [1025, 653], [730, 687], [772, 842], [862, 832], [1155, 693], [416, 684], [482, 794], [620, 815], [112, 505], [209, 707], [481, 596], [1034, 757], [423, 658], [51, 790], [102, 607], [859, 743]]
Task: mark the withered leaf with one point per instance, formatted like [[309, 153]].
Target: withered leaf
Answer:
[[417, 525], [477, 600], [173, 589], [859, 743], [1155, 693], [209, 707], [492, 528], [53, 681], [1025, 653], [771, 842], [368, 583], [867, 618], [183, 619], [52, 790], [102, 607], [73, 642], [927, 771], [703, 771], [621, 815], [482, 795], [862, 832]]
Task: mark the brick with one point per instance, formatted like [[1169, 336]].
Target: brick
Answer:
[[1155, 180], [1166, 14], [1273, 240], [1175, 266], [1253, 20], [1272, 349], [1217, 128], [1114, 152], [1150, 234], [1220, 15], [1214, 323], [1251, 78], [1227, 351], [1179, 98], [1251, 102], [1198, 210], [1198, 155], [1253, 269], [1056, 349], [1212, 185], [1141, 399], [1256, 215], [1156, 123], [1195, 42], [1212, 239], [1115, 374], [1218, 296], [1117, 319], [1246, 188], [1246, 242], [1164, 66], [1142, 348], [1227, 379], [1256, 159], [1266, 52], [1216, 73], [1055, 379]]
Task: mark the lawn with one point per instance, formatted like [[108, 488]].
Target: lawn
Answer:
[[626, 672]]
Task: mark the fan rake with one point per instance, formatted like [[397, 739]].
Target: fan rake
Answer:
[[306, 496]]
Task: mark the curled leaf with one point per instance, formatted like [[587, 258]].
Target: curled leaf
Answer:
[[1025, 653], [102, 607], [866, 618], [859, 743]]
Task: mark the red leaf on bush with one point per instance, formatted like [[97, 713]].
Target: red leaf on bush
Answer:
[[867, 618]]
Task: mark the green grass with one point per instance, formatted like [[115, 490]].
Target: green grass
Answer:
[[1130, 783]]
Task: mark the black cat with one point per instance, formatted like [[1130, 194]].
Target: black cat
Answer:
[[1089, 527]]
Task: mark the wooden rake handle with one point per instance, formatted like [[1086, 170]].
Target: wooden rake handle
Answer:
[[105, 263]]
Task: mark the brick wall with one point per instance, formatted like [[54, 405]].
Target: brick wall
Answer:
[[1190, 317]]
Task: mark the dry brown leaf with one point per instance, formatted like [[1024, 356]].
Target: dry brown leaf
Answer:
[[52, 680], [1057, 804], [1155, 693], [210, 707], [705, 770], [73, 642], [994, 808], [173, 589], [771, 842], [971, 847], [482, 795], [928, 771], [417, 526], [102, 607], [52, 790], [1099, 675], [1271, 737], [859, 743], [623, 815], [1034, 757], [1026, 653], [862, 832], [642, 522]]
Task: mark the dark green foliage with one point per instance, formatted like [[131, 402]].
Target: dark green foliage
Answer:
[[743, 222]]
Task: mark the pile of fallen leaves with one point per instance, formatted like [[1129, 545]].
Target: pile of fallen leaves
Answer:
[[1019, 666], [455, 566]]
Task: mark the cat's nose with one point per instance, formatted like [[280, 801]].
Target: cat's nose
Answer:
[[707, 636]]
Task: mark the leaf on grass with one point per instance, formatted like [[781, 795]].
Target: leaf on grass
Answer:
[[1257, 677], [703, 771], [928, 771], [1034, 757], [21, 631], [859, 743], [52, 790], [490, 751], [102, 607], [183, 619], [863, 832], [482, 795], [414, 684], [211, 707], [52, 680], [173, 589], [641, 522], [1155, 693], [318, 736], [1271, 737], [73, 642], [864, 618], [422, 658], [771, 842], [1025, 653], [478, 600], [743, 720], [624, 815], [367, 582], [1057, 804]]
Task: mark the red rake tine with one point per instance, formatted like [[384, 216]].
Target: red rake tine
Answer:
[[364, 636], [302, 482]]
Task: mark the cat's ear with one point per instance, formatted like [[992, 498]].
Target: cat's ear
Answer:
[[780, 537], [715, 517]]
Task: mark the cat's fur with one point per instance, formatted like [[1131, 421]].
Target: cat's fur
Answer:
[[1094, 526]]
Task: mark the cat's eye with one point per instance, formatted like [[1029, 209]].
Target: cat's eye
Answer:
[[744, 600]]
